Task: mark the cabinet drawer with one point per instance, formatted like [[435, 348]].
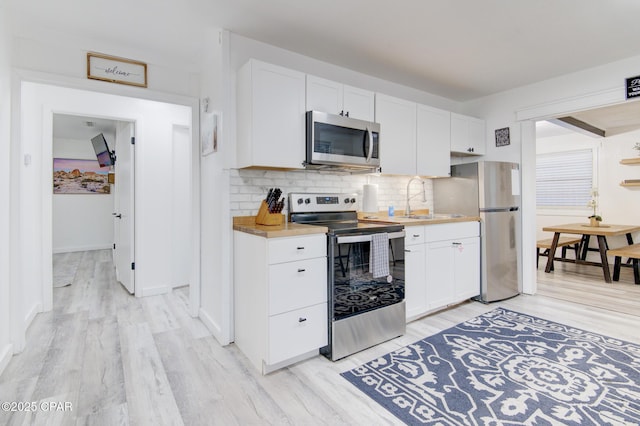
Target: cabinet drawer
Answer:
[[413, 235], [297, 332], [297, 248], [451, 231], [293, 285]]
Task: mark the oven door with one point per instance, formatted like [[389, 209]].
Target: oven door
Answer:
[[353, 289], [337, 140]]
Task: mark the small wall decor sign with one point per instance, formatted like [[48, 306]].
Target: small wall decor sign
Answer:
[[502, 137], [116, 70], [633, 87]]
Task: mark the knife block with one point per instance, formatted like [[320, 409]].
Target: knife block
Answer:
[[264, 217]]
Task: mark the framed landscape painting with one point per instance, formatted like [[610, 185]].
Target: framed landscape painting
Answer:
[[72, 176]]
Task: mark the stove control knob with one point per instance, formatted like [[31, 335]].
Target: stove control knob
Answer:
[[307, 201], [353, 200], [300, 200], [346, 201]]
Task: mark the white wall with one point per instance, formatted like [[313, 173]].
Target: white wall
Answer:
[[5, 105], [81, 221], [66, 55], [214, 220], [616, 204]]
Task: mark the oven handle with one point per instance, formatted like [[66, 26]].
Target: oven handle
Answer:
[[364, 238]]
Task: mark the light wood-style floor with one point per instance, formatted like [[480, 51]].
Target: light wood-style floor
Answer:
[[144, 361]]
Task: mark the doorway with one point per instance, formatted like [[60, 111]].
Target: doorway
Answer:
[[154, 199], [91, 210], [607, 139]]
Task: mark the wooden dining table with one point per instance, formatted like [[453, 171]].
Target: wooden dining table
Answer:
[[601, 232]]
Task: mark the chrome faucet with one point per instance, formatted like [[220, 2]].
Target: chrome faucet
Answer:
[[407, 211]]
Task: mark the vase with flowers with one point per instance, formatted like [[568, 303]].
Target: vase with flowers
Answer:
[[594, 219]]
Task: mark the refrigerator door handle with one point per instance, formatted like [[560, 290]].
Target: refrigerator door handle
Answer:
[[499, 209]]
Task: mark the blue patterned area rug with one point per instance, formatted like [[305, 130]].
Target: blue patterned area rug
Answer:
[[507, 368]]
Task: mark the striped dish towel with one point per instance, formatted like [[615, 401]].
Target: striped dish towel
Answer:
[[379, 255]]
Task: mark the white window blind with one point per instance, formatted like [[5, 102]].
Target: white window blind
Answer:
[[564, 179]]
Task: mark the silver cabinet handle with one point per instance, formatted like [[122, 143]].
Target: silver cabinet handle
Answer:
[[300, 248], [456, 244], [301, 319], [416, 235], [301, 270], [407, 251]]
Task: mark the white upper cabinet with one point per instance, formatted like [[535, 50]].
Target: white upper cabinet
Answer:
[[414, 138], [467, 135], [270, 116], [397, 119], [433, 141], [337, 98]]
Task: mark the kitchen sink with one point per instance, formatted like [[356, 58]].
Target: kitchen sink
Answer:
[[433, 216]]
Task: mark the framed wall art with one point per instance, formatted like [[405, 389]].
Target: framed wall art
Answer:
[[209, 132], [502, 137], [71, 176], [116, 70]]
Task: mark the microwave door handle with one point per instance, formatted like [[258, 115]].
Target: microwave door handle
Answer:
[[369, 145]]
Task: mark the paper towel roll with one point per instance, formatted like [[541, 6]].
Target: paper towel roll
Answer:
[[370, 198]]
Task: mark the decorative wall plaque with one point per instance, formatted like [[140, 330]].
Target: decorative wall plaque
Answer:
[[116, 70], [502, 137], [633, 87]]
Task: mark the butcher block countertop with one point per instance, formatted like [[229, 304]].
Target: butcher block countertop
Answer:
[[383, 217], [287, 229]]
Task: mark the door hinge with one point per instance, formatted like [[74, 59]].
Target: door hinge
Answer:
[[133, 140], [133, 266]]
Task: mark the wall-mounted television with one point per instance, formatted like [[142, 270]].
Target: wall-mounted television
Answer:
[[106, 157]]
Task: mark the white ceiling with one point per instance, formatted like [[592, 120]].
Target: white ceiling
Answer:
[[458, 49]]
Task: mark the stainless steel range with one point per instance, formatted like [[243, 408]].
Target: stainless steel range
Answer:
[[365, 272]]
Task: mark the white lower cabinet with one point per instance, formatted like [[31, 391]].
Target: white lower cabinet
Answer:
[[442, 270], [280, 289], [415, 290]]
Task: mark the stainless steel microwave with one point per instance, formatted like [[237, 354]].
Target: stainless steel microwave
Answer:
[[342, 141]]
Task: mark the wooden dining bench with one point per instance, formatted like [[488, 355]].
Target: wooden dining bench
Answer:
[[564, 242], [632, 252]]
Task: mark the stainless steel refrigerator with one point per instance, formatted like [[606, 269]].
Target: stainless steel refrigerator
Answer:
[[491, 190]]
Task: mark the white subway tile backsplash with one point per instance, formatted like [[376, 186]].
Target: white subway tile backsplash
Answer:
[[248, 187]]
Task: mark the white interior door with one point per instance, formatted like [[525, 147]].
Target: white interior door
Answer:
[[123, 216]]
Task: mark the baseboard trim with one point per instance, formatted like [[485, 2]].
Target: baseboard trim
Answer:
[[5, 356], [213, 327], [154, 291], [57, 250], [35, 310]]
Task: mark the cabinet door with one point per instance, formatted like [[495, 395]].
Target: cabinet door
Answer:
[[433, 141], [271, 124], [397, 119], [440, 274], [324, 95], [297, 332], [467, 268], [477, 135], [415, 286], [467, 135], [359, 103]]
